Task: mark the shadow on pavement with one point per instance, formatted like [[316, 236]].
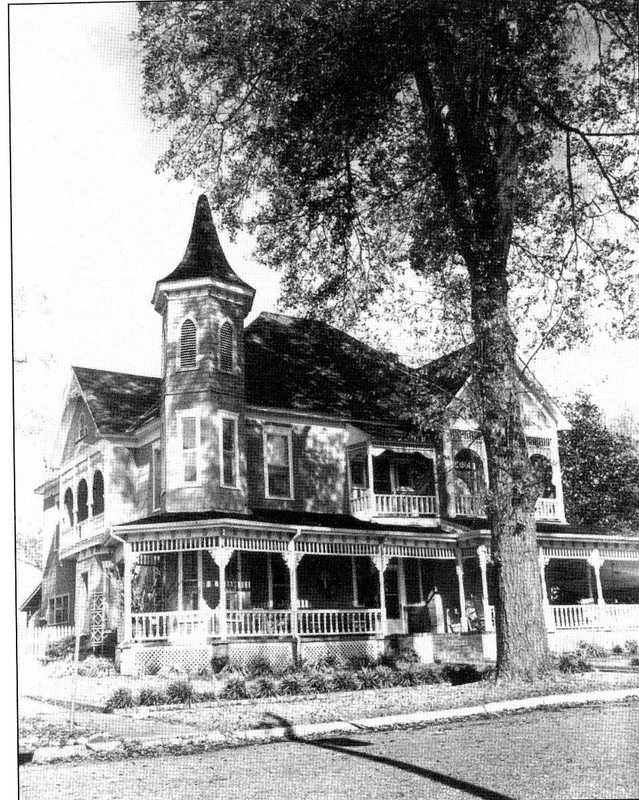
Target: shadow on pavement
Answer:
[[344, 745]]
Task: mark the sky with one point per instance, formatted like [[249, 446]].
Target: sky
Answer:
[[93, 228]]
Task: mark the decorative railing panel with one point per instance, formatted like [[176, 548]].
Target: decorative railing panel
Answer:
[[475, 506], [607, 617], [336, 622], [258, 623], [393, 505], [87, 529], [174, 626]]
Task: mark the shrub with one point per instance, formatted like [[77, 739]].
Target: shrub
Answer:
[[150, 696], [368, 677], [409, 655], [219, 664], [121, 698], [293, 683], [634, 662], [406, 676], [180, 691], [320, 681], [61, 649], [346, 681], [93, 667], [258, 668], [570, 663], [631, 647], [591, 650], [235, 689], [362, 662], [388, 659], [617, 650], [458, 674], [386, 676], [265, 686], [427, 675]]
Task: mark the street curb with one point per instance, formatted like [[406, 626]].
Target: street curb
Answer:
[[216, 740]]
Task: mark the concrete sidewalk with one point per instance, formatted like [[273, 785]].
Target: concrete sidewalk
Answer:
[[125, 736]]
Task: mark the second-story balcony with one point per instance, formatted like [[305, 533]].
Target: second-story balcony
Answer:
[[547, 508], [366, 504], [81, 532]]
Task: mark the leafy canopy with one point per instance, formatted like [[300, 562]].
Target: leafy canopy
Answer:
[[485, 144], [600, 470]]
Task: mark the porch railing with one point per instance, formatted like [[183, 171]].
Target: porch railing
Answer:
[[334, 622], [473, 505], [174, 625], [393, 505], [258, 623], [87, 529], [608, 617]]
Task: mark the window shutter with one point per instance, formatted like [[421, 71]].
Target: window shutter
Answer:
[[188, 345], [226, 347]]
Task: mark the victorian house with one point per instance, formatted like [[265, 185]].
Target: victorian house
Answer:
[[265, 498]]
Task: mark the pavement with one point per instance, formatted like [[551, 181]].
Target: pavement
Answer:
[[122, 736]]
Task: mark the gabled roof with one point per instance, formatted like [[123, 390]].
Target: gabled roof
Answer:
[[308, 365], [118, 402], [204, 257], [447, 374]]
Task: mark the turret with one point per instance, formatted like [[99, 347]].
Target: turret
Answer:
[[203, 304]]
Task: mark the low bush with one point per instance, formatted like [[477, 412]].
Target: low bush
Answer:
[[293, 683], [180, 691], [320, 681], [121, 698], [149, 696], [427, 675], [571, 663], [617, 650], [219, 664], [346, 681], [631, 647], [361, 662], [634, 662], [61, 649], [235, 689], [96, 667], [458, 674], [368, 677], [591, 650], [406, 676], [264, 686], [258, 668], [386, 676]]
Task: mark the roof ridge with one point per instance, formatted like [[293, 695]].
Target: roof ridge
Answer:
[[117, 372]]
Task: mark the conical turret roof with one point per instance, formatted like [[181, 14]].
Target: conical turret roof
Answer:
[[204, 257]]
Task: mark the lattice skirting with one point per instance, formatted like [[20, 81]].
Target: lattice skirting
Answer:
[[139, 660], [278, 654], [344, 648]]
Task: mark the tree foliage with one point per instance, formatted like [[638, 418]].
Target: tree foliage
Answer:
[[485, 145], [600, 470]]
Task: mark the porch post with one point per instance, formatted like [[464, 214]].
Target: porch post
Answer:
[[459, 568], [269, 578], [371, 489], [543, 563], [128, 566], [354, 582], [290, 557], [482, 556], [222, 556], [401, 591], [200, 582], [596, 562], [381, 562], [180, 580]]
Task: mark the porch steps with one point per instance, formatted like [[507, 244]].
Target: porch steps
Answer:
[[456, 648]]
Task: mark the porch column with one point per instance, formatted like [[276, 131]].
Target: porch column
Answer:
[[459, 568], [269, 578], [371, 489], [291, 560], [222, 556], [543, 563], [380, 562], [401, 592], [200, 582], [482, 557], [128, 566], [595, 560], [354, 582], [180, 580]]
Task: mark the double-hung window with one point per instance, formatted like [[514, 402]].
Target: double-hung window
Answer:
[[58, 609], [189, 434], [278, 462], [229, 460]]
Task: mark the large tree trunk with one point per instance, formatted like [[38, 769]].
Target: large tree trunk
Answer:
[[522, 642]]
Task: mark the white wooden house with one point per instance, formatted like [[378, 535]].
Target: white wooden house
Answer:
[[265, 498]]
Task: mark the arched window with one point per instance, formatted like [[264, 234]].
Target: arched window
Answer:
[[68, 504], [98, 493], [543, 472], [188, 344], [469, 473], [83, 501], [226, 347]]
